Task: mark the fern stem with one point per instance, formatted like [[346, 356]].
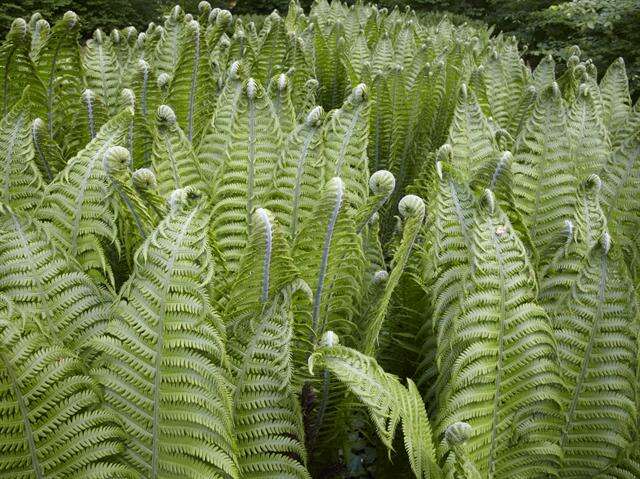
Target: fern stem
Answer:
[[267, 257]]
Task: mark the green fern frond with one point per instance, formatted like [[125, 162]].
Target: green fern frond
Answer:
[[167, 47], [270, 55], [18, 71], [596, 331], [60, 69], [22, 182], [300, 174], [589, 141], [191, 95], [330, 72], [387, 401], [470, 135], [507, 350], [90, 115], [545, 73], [163, 360], [48, 155], [245, 177], [101, 70], [616, 103], [221, 22], [40, 30], [77, 205], [51, 420], [543, 181], [345, 145], [174, 162], [279, 92]]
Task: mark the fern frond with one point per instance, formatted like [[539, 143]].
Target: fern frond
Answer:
[[345, 145], [270, 55], [507, 350], [279, 92], [244, 178], [76, 206], [102, 73], [543, 183], [163, 359], [387, 401], [174, 162], [51, 420], [167, 47], [545, 73], [596, 331], [22, 182], [300, 174], [616, 103], [48, 155]]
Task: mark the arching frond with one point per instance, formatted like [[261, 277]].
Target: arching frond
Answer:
[[387, 401], [77, 207], [163, 359], [102, 73], [616, 103], [174, 161], [51, 420]]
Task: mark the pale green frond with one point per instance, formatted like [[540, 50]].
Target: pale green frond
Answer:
[[381, 123], [330, 72], [51, 420], [47, 287], [163, 359], [596, 331], [40, 30], [279, 92], [191, 95], [244, 179], [101, 69], [545, 73], [543, 180], [412, 209], [271, 52], [299, 176], [48, 155], [167, 48], [387, 401], [22, 183], [219, 23], [470, 135], [77, 207], [616, 103], [88, 117], [589, 141], [345, 145], [174, 162], [507, 351]]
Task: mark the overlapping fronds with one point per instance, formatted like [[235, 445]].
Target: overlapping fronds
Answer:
[[102, 73], [163, 357], [51, 420]]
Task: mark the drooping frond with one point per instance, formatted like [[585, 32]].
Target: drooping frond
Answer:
[[102, 73], [300, 174], [345, 145], [47, 287], [76, 206], [596, 332], [174, 161], [506, 351], [163, 359], [244, 178], [21, 180], [387, 401], [543, 183], [51, 420]]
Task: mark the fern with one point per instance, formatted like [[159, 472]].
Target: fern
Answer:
[[174, 161], [280, 94], [506, 350], [163, 359], [597, 315], [48, 155], [387, 401], [244, 178], [51, 421], [167, 47], [22, 182], [74, 208], [102, 73], [616, 103]]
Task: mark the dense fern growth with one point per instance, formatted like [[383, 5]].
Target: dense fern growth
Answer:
[[345, 242]]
